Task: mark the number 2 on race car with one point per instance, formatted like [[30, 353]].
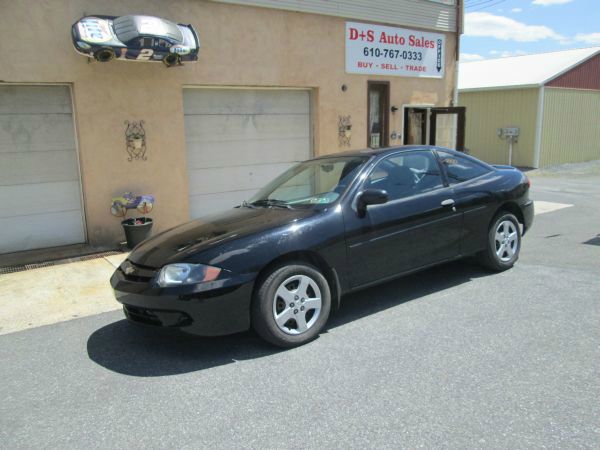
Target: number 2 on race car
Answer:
[[145, 54]]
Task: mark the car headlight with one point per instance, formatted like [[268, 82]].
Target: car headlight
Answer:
[[182, 274]]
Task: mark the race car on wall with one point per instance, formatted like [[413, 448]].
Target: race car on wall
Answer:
[[135, 38]]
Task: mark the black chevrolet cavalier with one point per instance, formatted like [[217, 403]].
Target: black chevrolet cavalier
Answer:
[[283, 259]]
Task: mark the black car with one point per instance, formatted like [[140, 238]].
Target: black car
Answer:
[[282, 260]]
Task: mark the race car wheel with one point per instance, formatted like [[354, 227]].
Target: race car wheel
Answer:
[[171, 60], [104, 54]]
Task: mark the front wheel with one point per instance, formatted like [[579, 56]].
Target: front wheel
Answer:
[[291, 305], [504, 243], [104, 54], [171, 60]]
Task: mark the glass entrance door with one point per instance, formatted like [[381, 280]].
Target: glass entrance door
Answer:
[[377, 114], [415, 126]]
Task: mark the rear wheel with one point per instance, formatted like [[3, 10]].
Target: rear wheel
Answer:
[[104, 55], [291, 305], [171, 60], [504, 243]]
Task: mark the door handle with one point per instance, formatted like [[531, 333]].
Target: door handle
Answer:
[[448, 202]]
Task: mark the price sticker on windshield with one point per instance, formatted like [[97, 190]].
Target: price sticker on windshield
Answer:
[[380, 50]]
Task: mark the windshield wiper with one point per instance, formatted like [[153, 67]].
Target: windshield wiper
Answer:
[[272, 202], [245, 204]]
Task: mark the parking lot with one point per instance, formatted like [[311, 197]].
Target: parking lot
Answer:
[[451, 357]]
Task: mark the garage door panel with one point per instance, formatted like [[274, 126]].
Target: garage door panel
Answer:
[[38, 167], [219, 154], [40, 191], [206, 128], [242, 101], [35, 99], [31, 199], [204, 204], [36, 132], [226, 179], [46, 230], [239, 140]]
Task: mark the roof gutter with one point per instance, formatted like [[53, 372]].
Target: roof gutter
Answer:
[[500, 88]]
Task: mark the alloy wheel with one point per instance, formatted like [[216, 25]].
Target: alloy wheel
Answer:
[[506, 240], [297, 304]]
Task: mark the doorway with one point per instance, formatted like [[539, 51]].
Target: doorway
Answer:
[[446, 127], [415, 126], [378, 101]]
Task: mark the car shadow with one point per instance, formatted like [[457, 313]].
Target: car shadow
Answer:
[[140, 351]]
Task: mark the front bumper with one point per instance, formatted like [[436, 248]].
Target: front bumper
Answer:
[[221, 308]]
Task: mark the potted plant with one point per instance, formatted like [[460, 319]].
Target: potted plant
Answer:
[[136, 229]]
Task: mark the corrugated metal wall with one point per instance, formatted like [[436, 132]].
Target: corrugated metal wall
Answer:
[[489, 110], [584, 76], [571, 126], [409, 13]]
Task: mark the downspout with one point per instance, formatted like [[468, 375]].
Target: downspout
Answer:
[[457, 55], [539, 123]]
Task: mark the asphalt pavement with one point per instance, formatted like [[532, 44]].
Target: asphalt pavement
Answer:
[[452, 357]]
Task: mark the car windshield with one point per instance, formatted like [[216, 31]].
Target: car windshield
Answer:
[[319, 181]]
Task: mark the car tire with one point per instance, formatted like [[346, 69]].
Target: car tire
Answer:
[[104, 55], [504, 243], [171, 60], [286, 310]]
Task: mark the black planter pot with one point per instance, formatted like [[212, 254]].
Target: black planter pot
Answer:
[[136, 232]]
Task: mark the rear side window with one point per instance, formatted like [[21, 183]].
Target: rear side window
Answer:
[[459, 168]]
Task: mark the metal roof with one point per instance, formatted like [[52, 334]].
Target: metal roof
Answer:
[[520, 71]]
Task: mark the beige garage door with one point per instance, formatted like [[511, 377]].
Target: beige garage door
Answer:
[[240, 139], [40, 193]]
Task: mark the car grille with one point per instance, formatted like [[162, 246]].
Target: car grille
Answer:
[[155, 317], [136, 273]]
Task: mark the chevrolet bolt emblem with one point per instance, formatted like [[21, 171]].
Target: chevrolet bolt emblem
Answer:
[[129, 270]]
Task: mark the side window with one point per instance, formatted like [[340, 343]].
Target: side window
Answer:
[[406, 174], [460, 169], [142, 42], [159, 42]]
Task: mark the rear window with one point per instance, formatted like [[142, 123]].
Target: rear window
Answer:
[[459, 168]]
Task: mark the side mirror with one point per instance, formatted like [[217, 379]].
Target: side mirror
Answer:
[[370, 197]]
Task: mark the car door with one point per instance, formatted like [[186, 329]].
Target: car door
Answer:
[[418, 225], [473, 195]]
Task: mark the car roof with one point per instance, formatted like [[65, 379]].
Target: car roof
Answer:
[[381, 151], [130, 27]]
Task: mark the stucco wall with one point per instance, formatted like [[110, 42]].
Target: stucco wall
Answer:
[[489, 110], [571, 127], [241, 46]]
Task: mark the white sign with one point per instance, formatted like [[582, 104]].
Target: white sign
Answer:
[[379, 50]]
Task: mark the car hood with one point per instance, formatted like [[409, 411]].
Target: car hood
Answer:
[[183, 241]]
